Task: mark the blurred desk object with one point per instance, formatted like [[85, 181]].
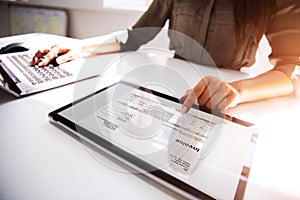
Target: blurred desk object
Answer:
[[24, 19]]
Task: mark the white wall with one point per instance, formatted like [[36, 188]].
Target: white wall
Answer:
[[86, 23]]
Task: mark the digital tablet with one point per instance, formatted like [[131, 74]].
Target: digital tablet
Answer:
[[197, 154]]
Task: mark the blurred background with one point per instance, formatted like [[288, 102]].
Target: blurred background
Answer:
[[74, 18]]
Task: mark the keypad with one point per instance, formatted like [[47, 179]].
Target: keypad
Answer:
[[35, 74]]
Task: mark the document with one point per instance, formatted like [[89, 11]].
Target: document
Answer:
[[145, 124]]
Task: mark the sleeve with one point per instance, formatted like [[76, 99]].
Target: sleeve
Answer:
[[283, 35], [148, 26]]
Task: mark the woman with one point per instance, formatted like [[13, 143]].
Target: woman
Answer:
[[231, 26]]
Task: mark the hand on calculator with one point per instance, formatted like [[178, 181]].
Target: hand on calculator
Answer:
[[55, 54]]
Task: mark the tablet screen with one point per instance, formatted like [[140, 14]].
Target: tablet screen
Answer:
[[194, 152]]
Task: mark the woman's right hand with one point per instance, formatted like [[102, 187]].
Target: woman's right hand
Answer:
[[211, 93], [55, 54]]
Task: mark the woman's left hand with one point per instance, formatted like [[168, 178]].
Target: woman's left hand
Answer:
[[212, 93]]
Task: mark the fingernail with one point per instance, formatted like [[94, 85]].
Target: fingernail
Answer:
[[59, 60], [184, 109]]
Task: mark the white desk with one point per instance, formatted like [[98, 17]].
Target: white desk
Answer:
[[40, 161]]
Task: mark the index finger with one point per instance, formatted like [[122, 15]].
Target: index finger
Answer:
[[200, 87], [189, 99], [51, 55], [38, 55]]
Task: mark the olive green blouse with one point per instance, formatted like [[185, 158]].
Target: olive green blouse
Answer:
[[210, 24]]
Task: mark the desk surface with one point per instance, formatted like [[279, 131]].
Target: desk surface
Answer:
[[40, 161]]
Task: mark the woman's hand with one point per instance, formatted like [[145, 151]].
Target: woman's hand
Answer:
[[212, 93], [56, 53], [189, 99], [64, 54]]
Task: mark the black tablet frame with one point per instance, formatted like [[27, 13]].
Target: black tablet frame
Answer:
[[130, 159]]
